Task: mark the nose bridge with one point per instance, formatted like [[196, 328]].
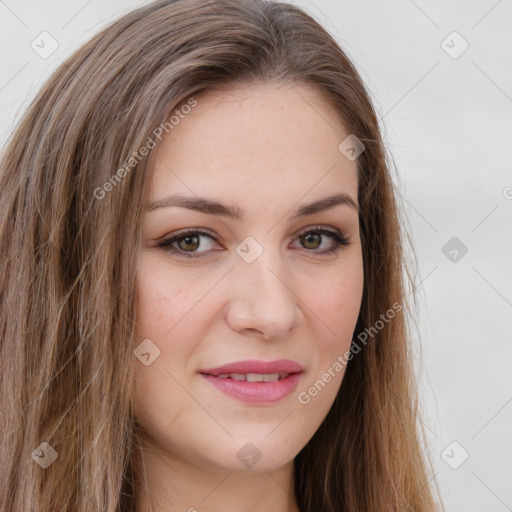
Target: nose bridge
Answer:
[[262, 295]]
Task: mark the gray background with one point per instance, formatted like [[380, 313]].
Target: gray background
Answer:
[[447, 123]]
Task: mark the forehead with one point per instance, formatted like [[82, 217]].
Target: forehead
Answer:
[[260, 142]]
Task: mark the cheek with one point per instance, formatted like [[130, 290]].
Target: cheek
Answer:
[[337, 304], [335, 310], [334, 314], [157, 315], [162, 302], [160, 306]]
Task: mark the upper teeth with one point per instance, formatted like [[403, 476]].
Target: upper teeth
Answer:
[[254, 377]]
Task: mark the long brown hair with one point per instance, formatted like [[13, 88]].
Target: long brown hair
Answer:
[[73, 181]]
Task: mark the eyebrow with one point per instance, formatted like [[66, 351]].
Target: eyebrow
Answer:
[[209, 206]]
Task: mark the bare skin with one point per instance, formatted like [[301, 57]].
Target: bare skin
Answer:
[[269, 150]]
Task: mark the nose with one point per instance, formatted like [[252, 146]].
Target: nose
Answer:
[[263, 300]]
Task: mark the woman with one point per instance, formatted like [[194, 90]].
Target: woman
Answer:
[[202, 297]]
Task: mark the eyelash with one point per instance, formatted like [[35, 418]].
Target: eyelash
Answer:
[[167, 242]]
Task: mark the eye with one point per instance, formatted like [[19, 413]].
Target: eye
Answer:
[[188, 241], [313, 239], [185, 243]]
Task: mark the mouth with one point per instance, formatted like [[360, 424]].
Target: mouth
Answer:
[[253, 377], [256, 382]]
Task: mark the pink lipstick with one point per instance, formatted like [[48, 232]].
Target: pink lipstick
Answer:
[[255, 381]]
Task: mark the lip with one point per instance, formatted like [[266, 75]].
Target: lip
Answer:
[[256, 366], [256, 392]]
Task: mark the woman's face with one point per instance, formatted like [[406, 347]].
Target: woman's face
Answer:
[[264, 286]]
